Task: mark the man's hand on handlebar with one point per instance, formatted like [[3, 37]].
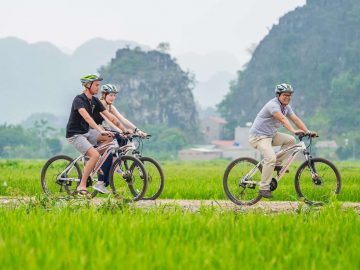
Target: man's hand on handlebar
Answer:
[[299, 132], [302, 133], [313, 134]]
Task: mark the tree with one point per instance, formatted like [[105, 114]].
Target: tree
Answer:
[[163, 47]]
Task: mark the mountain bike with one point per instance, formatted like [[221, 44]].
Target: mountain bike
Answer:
[[156, 177], [316, 180], [63, 173]]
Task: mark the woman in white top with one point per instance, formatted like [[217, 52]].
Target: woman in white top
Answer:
[[108, 95]]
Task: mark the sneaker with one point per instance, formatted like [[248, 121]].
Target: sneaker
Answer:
[[100, 186], [265, 193]]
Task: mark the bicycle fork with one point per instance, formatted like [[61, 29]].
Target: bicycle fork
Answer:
[[314, 175]]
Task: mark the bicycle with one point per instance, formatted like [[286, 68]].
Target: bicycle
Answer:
[[156, 177], [316, 180], [64, 173]]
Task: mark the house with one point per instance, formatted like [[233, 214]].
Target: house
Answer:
[[326, 144], [213, 128], [199, 154], [217, 148]]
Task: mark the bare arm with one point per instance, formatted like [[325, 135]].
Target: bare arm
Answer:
[[111, 123], [111, 118], [300, 124], [284, 121], [89, 120], [122, 118]]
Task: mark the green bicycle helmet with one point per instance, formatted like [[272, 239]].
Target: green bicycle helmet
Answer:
[[90, 78], [284, 88], [109, 88]]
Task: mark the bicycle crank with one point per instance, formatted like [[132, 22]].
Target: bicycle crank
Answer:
[[273, 184]]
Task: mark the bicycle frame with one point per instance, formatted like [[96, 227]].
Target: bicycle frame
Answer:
[[295, 150], [109, 149]]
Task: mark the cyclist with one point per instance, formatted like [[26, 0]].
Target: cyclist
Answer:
[[108, 95], [82, 131], [263, 134]]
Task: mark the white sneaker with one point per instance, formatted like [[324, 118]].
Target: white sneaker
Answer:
[[100, 186]]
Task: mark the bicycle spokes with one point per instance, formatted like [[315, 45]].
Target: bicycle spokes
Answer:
[[317, 181], [241, 181], [129, 177], [58, 174]]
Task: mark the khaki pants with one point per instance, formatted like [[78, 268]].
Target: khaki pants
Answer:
[[265, 145]]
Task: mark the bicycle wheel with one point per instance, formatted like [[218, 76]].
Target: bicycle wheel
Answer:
[[238, 192], [319, 186], [50, 176], [127, 173], [155, 179]]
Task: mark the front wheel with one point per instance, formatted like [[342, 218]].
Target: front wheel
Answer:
[[155, 179], [317, 180], [241, 181], [127, 173]]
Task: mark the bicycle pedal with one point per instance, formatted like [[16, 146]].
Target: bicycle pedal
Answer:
[[89, 182], [273, 184]]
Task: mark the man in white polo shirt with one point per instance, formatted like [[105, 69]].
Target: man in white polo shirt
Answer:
[[264, 132]]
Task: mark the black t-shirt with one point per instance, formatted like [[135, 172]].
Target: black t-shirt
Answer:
[[77, 124], [98, 118]]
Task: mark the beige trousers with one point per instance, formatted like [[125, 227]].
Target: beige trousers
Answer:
[[265, 145]]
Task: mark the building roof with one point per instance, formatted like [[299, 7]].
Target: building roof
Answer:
[[326, 144], [223, 144], [217, 120], [202, 150]]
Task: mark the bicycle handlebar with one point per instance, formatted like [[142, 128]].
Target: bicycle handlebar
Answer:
[[302, 135], [130, 135]]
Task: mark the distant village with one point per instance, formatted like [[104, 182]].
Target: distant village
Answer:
[[217, 148]]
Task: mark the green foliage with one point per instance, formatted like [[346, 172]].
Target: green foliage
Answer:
[[11, 136], [316, 48], [153, 90], [40, 141], [165, 142], [344, 103]]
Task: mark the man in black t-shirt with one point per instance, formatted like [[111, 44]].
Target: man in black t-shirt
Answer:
[[82, 131]]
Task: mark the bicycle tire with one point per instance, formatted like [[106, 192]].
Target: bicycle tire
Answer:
[[230, 192], [123, 162], [155, 184], [300, 184], [66, 185]]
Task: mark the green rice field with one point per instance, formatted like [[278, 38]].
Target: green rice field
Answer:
[[117, 236], [200, 180], [44, 233]]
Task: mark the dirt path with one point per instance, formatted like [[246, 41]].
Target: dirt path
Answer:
[[267, 206], [194, 205]]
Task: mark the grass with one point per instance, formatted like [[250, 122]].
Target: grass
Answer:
[[183, 180], [57, 234], [53, 235]]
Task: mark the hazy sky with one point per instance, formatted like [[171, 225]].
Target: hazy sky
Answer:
[[199, 26]]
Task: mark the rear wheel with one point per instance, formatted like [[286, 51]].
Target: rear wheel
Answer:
[[55, 183], [239, 192], [128, 178], [317, 181]]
